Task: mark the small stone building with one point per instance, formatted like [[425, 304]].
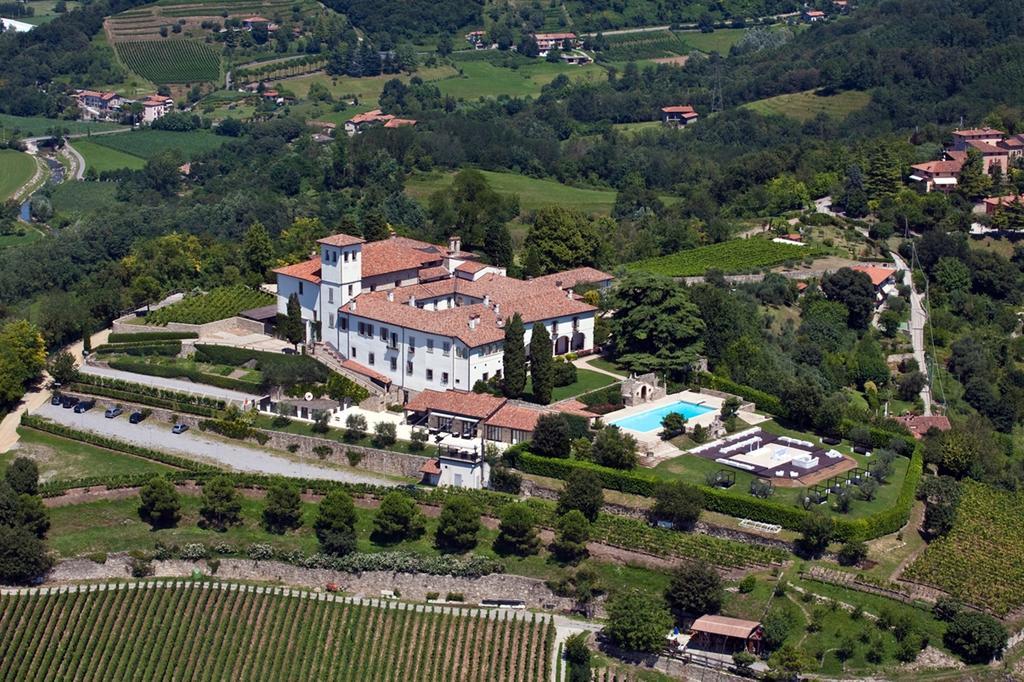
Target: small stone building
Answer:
[[642, 389]]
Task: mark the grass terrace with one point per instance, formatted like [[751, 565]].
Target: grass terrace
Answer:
[[586, 381], [804, 106], [146, 144], [101, 158], [31, 126], [79, 197], [732, 257], [64, 459]]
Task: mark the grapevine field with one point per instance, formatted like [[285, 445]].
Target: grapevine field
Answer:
[[215, 305], [632, 46], [739, 255], [221, 631], [171, 61], [981, 561]]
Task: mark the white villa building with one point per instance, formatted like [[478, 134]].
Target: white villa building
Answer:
[[413, 316]]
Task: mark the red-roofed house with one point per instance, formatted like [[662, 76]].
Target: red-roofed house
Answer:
[[678, 115], [883, 278], [400, 123], [424, 316], [919, 424], [556, 41], [361, 122], [156, 106], [813, 16], [993, 204], [567, 279]]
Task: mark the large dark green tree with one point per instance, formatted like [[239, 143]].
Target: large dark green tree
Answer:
[[23, 476], [559, 239], [582, 492], [517, 531], [542, 370], [458, 525], [159, 503], [335, 524], [695, 590], [854, 290], [282, 509], [221, 506], [514, 358], [637, 621], [655, 326], [397, 519]]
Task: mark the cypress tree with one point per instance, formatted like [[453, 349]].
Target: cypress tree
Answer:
[[293, 329], [514, 359], [542, 369]]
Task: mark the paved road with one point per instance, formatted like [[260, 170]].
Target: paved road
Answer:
[[78, 162], [195, 445], [918, 319], [181, 385]]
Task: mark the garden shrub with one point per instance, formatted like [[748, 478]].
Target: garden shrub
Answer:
[[144, 337]]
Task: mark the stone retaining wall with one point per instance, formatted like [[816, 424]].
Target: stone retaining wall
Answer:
[[122, 326]]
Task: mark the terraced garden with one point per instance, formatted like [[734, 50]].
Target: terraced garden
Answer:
[[736, 256], [215, 305], [215, 631], [980, 561]]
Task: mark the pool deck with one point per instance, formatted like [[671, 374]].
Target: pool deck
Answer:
[[660, 449]]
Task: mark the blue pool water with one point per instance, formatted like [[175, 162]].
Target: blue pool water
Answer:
[[651, 419]]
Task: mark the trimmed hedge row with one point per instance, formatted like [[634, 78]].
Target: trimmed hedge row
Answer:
[[134, 337], [48, 426], [880, 438], [764, 401], [165, 348], [143, 399], [175, 372], [278, 369], [744, 507], [151, 391], [233, 429]]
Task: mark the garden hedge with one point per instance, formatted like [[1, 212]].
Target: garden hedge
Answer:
[[278, 369], [150, 391], [880, 438], [175, 372], [741, 506], [764, 401], [134, 337], [164, 348]]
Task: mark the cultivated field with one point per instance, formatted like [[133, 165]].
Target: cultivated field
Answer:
[[146, 144], [31, 126], [804, 106], [83, 197], [217, 631], [628, 47], [171, 61], [144, 23], [101, 158], [739, 255], [216, 305], [16, 168], [480, 78], [981, 561]]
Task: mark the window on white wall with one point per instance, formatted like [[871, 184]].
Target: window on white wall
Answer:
[[430, 345], [430, 375], [330, 320], [330, 295]]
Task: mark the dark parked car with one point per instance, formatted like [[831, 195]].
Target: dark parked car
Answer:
[[136, 417], [56, 399], [68, 401], [113, 412], [180, 428], [85, 406]]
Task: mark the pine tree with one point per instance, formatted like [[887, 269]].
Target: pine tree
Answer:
[[883, 178], [542, 369], [514, 359], [498, 245]]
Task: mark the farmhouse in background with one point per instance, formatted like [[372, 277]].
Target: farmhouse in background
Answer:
[[555, 41], [997, 149], [156, 106], [813, 16], [678, 116]]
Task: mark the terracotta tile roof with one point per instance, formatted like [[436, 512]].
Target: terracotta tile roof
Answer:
[[463, 403], [341, 240], [531, 300], [815, 13], [979, 132], [453, 322], [877, 274], [722, 625], [431, 467], [573, 406], [362, 369], [939, 167], [308, 270], [400, 122], [370, 117], [985, 147], [471, 267], [1003, 200], [511, 416], [680, 109], [397, 254], [255, 18], [919, 424], [433, 274], [568, 278]]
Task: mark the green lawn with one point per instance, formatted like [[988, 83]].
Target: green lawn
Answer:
[[306, 429], [62, 459], [586, 381], [101, 158], [16, 168], [30, 126], [31, 234], [533, 193], [109, 526], [83, 196], [367, 90], [804, 106], [146, 144], [608, 366], [43, 11], [719, 40], [484, 79]]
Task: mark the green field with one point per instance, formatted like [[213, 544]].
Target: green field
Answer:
[[736, 256], [626, 47], [804, 106], [215, 631], [981, 560], [533, 193], [586, 381], [32, 126], [82, 196], [171, 61], [62, 459], [719, 40], [101, 158], [146, 144], [30, 235], [16, 169], [44, 11], [484, 79]]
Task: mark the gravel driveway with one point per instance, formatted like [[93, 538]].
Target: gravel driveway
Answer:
[[195, 445], [170, 384]]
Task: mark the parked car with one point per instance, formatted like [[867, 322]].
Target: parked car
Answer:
[[136, 417], [68, 401], [179, 428], [84, 406], [112, 412], [56, 399]]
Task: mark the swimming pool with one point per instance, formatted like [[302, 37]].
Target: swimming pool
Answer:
[[651, 419]]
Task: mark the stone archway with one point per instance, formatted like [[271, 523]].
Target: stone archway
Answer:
[[562, 345]]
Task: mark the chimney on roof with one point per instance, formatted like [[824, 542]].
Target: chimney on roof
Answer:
[[487, 301], [412, 301], [568, 294], [473, 321], [497, 310], [352, 305], [455, 243], [391, 296]]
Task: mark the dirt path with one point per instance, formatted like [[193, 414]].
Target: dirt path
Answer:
[[913, 526]]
